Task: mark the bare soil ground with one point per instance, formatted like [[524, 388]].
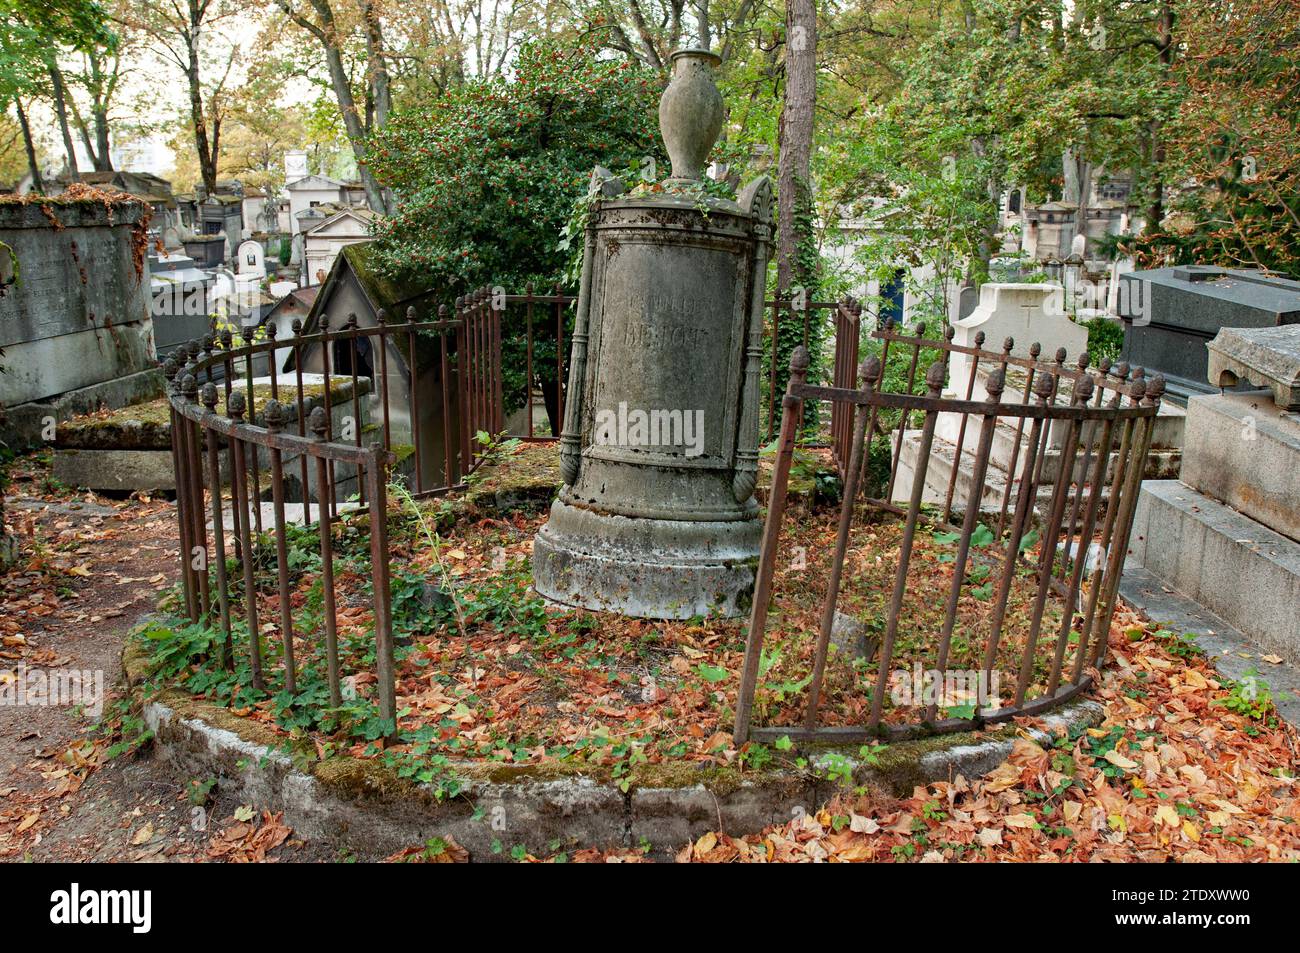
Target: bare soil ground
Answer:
[[90, 569]]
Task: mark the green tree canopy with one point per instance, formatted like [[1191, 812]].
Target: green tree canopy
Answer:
[[486, 179]]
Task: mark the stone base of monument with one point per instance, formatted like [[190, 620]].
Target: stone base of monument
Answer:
[[648, 568], [25, 426], [1227, 534]]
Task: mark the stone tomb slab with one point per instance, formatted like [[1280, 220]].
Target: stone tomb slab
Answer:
[[1265, 357], [130, 449]]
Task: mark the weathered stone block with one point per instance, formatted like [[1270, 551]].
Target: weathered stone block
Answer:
[[1242, 450], [79, 314], [1235, 567], [115, 470]]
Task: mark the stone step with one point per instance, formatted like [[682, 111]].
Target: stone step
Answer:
[[1232, 653], [942, 457], [943, 454], [1236, 568]]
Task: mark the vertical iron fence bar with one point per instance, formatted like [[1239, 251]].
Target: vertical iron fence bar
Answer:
[[177, 434], [560, 359], [462, 389], [904, 414], [376, 469], [255, 490], [1089, 434], [961, 437], [413, 395], [324, 528], [194, 466], [274, 416], [350, 330], [996, 384], [327, 398], [934, 379], [380, 343], [302, 424], [219, 530], [235, 410], [791, 420], [449, 475], [1034, 350], [875, 411], [870, 374], [499, 387], [771, 376], [1057, 377], [528, 356]]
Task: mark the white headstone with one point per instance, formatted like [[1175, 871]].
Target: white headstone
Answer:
[[172, 239], [295, 165], [252, 259], [1079, 244], [1025, 312]]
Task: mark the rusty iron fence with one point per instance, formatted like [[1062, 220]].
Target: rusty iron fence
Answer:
[[804, 314], [1095, 426], [267, 433]]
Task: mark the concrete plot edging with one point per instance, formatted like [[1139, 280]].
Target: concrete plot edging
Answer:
[[361, 805]]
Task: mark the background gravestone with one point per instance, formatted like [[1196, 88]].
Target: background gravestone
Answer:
[[76, 325]]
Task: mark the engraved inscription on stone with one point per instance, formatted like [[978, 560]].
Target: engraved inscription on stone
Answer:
[[666, 337]]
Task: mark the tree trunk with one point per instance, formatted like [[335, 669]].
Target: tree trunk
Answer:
[[38, 184], [352, 120], [206, 150], [376, 65], [794, 192], [103, 154], [1156, 207], [61, 112]]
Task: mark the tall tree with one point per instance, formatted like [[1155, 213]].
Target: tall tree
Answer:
[[794, 209], [99, 79], [176, 29], [31, 35], [332, 33]]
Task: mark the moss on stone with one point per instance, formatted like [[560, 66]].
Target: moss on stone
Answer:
[[147, 426], [528, 478]]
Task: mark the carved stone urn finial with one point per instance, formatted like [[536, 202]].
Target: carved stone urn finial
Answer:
[[690, 113]]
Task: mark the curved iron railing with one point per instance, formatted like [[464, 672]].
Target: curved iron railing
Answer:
[[1049, 535], [327, 417]]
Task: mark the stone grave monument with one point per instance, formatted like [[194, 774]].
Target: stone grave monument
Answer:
[[1227, 533], [659, 451], [251, 259], [75, 325], [1170, 314]]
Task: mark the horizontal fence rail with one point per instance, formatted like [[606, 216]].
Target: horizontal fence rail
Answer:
[[268, 433], [1095, 425]]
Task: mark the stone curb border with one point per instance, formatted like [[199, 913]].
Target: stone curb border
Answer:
[[373, 819]]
